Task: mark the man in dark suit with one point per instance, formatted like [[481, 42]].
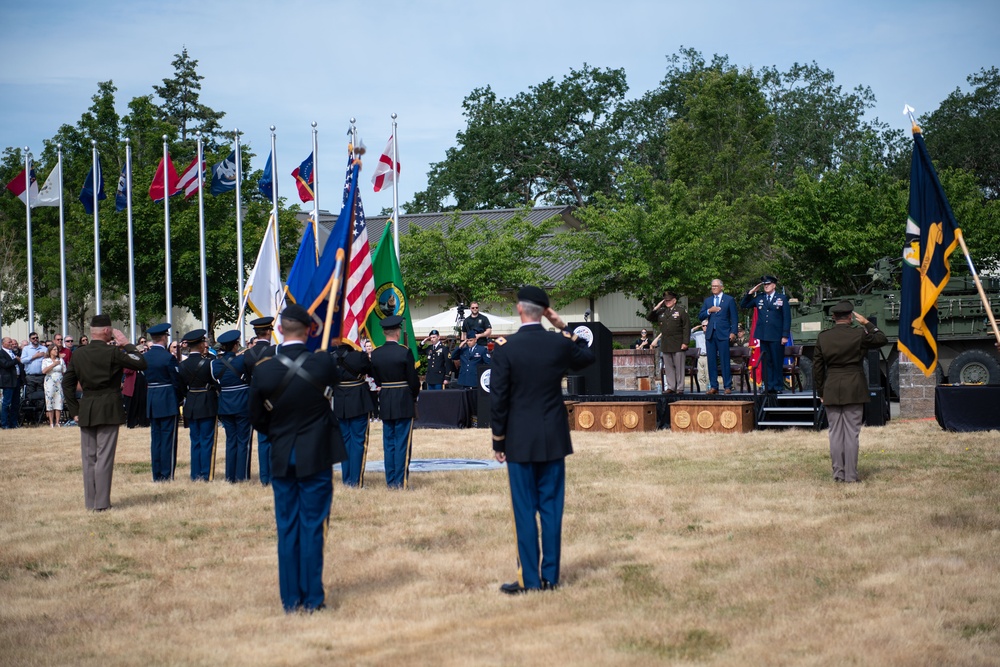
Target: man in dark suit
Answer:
[[437, 360], [531, 432], [164, 395], [840, 382], [201, 404], [11, 380], [773, 329], [263, 329], [100, 411], [234, 411], [290, 401], [352, 404], [720, 311], [394, 370]]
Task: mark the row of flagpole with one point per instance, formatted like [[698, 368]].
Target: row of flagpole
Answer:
[[93, 192]]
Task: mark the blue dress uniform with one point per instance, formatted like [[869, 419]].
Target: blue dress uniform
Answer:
[[305, 444], [234, 410], [470, 359], [352, 404], [721, 324], [774, 323], [164, 395], [394, 370], [201, 408], [252, 357], [531, 427]]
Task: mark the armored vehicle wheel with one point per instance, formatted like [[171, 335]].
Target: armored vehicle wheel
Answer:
[[974, 367]]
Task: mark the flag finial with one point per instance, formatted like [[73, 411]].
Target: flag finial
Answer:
[[908, 111]]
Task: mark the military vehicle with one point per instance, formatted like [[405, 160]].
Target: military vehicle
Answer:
[[966, 352]]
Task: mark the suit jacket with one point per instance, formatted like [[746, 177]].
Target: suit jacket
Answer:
[[352, 397], [200, 386], [527, 415], [301, 419], [837, 371], [675, 327], [721, 323], [395, 372], [774, 316], [98, 368], [11, 371], [165, 391]]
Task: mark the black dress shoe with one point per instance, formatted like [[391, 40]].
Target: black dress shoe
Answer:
[[512, 588], [549, 586]]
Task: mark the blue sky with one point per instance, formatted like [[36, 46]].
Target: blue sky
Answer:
[[290, 63]]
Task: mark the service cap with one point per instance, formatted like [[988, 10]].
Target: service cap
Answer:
[[842, 308], [262, 322], [159, 329], [229, 337], [195, 336], [101, 320], [392, 322]]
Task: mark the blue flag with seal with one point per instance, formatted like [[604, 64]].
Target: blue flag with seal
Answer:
[[931, 236], [266, 183], [121, 195], [224, 175], [87, 193]]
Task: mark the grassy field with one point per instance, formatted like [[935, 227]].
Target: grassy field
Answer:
[[678, 549]]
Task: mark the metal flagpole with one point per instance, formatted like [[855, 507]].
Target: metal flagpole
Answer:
[[31, 273], [274, 191], [166, 231], [131, 247], [315, 175], [62, 247], [97, 233], [201, 232], [239, 231], [395, 186]]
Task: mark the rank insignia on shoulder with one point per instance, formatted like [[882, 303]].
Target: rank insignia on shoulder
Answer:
[[501, 340]]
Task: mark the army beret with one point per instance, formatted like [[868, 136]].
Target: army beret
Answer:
[[392, 322], [296, 313], [229, 337], [195, 336], [768, 280], [262, 322], [434, 332], [842, 308], [535, 295], [100, 321], [159, 329]]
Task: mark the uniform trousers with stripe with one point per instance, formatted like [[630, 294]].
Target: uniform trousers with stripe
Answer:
[[163, 447], [301, 511], [354, 431], [202, 432], [97, 452], [238, 432], [537, 493], [396, 451], [773, 352]]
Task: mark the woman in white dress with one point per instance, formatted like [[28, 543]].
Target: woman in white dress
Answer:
[[53, 368]]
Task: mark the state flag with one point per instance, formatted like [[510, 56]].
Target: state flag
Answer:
[[87, 192], [266, 182], [51, 192], [385, 174], [121, 194], [303, 176], [26, 189], [224, 175]]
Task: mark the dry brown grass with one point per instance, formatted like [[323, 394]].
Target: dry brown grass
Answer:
[[734, 550]]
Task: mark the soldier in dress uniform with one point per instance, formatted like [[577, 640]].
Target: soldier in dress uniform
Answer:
[[234, 411], [201, 404], [100, 410], [394, 370], [470, 356], [531, 432], [773, 329], [352, 404], [164, 395], [675, 331], [290, 401], [437, 360], [263, 328]]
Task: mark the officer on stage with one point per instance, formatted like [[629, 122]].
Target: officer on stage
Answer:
[[394, 370], [164, 395], [437, 360], [773, 329], [531, 432], [352, 404], [263, 328], [234, 410], [201, 404], [290, 401], [470, 356]]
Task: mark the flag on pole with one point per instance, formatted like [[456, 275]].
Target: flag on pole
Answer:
[[360, 297], [26, 193], [264, 292], [931, 236], [265, 184], [87, 193], [156, 187], [390, 294], [121, 196], [384, 172], [303, 267], [189, 181], [303, 176], [224, 175], [51, 192]]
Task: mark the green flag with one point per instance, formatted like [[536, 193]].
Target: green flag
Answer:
[[390, 295]]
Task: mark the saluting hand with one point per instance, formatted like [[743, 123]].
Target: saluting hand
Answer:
[[553, 317]]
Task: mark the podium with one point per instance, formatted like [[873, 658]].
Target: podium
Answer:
[[598, 378], [483, 397]]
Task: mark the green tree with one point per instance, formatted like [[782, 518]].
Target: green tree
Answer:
[[182, 105], [559, 142]]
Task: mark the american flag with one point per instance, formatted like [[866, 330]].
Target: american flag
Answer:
[[360, 277]]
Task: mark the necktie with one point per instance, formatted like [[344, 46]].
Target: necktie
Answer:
[[716, 301], [770, 298]]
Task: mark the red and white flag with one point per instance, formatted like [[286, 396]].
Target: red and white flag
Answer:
[[384, 172], [25, 189], [189, 181]]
